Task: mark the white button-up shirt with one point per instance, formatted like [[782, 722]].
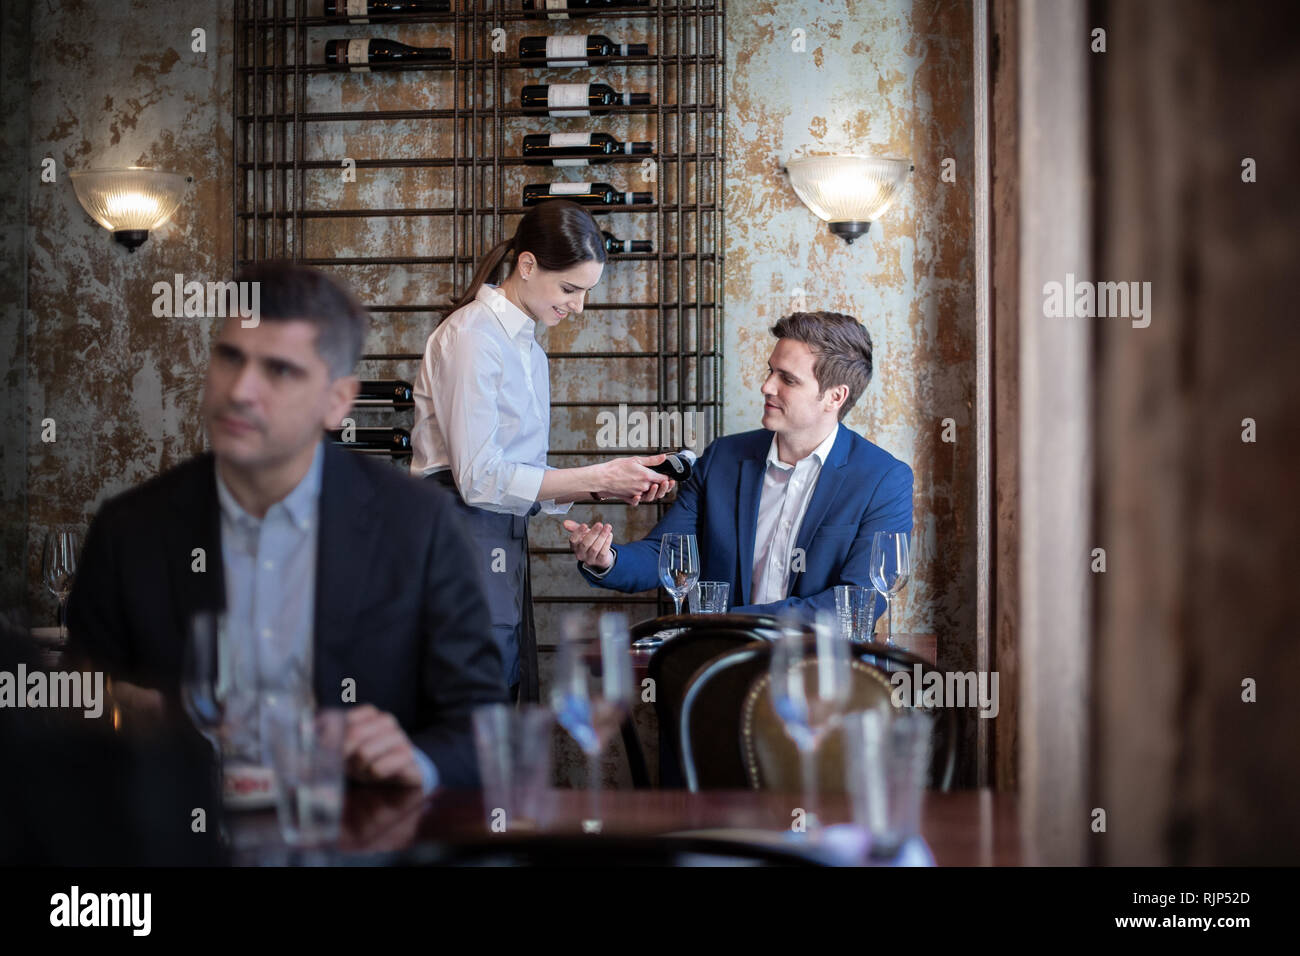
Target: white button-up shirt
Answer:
[[483, 406], [787, 490]]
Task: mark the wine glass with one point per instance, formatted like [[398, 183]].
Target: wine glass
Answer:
[[59, 567], [591, 692], [890, 567], [810, 690], [679, 565], [207, 679]]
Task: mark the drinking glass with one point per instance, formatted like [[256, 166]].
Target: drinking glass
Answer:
[[514, 760], [304, 747], [59, 565], [888, 759], [810, 690], [856, 609], [591, 691], [890, 567], [710, 597], [679, 565]]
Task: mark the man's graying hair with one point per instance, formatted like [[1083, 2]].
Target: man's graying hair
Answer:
[[841, 347], [288, 291]]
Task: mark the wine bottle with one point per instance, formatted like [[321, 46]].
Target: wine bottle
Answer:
[[387, 392], [587, 194], [366, 55], [577, 149], [592, 99], [561, 5], [616, 245], [574, 50], [396, 441], [382, 11], [676, 466]]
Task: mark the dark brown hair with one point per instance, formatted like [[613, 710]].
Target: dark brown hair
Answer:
[[560, 234], [291, 291], [841, 348]]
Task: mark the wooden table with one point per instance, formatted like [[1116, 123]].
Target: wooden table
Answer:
[[962, 828]]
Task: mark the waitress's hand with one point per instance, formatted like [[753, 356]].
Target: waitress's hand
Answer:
[[632, 481]]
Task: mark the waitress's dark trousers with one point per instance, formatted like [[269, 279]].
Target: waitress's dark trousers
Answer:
[[501, 546]]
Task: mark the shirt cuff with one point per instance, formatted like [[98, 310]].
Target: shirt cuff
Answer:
[[551, 508], [600, 574], [525, 484], [427, 770]]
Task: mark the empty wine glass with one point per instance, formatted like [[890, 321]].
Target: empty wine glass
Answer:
[[207, 680], [679, 565], [59, 567], [679, 571], [591, 692], [890, 567], [810, 690]]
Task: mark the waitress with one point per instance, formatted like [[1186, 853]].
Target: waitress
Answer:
[[483, 413]]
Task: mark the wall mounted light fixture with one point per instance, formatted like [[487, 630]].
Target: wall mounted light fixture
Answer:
[[848, 192], [129, 201]]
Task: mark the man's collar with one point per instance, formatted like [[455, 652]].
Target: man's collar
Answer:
[[821, 452], [300, 503], [512, 318]]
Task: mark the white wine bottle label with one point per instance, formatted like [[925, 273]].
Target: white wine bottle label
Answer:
[[569, 189], [357, 11], [359, 55], [557, 8], [561, 51], [567, 94], [569, 139]]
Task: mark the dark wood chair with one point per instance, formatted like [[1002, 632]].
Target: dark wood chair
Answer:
[[673, 663], [712, 729]]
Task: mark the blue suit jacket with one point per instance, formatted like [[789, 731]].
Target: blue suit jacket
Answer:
[[861, 489]]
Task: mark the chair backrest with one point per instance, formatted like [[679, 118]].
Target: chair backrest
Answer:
[[708, 730], [671, 668], [771, 757], [705, 622]]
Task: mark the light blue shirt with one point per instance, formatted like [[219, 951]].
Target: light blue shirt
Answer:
[[270, 568]]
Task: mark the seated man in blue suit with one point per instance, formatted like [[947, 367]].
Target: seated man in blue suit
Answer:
[[786, 512]]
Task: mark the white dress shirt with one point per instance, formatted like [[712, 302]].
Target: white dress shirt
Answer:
[[483, 406], [787, 489]]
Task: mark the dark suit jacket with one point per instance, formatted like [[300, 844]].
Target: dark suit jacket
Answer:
[[398, 607], [861, 489]]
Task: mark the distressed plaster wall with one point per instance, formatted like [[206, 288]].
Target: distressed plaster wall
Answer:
[[118, 84]]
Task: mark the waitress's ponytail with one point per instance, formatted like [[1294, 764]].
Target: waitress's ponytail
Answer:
[[560, 234], [487, 270]]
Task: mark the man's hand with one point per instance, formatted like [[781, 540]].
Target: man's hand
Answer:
[[377, 750], [591, 543]]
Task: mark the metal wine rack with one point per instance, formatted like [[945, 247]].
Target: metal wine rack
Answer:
[[287, 201]]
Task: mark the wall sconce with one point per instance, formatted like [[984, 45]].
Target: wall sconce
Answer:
[[129, 201], [849, 192]]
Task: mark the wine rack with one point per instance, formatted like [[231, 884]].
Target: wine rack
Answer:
[[399, 180]]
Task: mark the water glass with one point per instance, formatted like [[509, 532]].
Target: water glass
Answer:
[[305, 749], [856, 609], [514, 762], [888, 760], [710, 597]]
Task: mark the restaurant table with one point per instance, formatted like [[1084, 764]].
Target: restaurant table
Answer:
[[961, 828]]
